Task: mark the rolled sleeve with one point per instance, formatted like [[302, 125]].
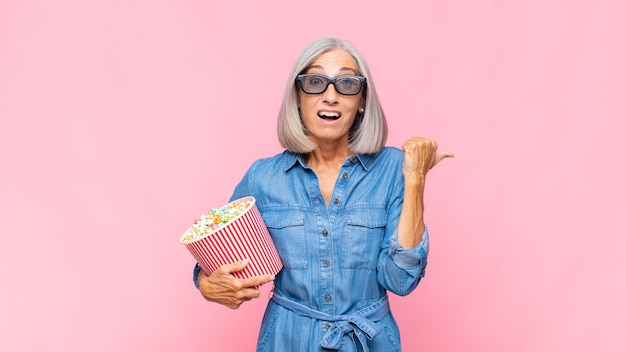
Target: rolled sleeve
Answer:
[[410, 258]]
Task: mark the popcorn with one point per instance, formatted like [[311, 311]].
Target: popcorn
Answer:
[[215, 219], [233, 233]]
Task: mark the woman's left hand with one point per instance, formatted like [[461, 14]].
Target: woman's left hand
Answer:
[[421, 155]]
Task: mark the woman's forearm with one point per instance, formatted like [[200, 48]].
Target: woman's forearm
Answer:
[[411, 222]]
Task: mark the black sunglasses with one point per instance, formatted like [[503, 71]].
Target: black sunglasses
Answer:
[[317, 84]]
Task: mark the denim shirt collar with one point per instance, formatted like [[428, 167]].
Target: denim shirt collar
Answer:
[[290, 159]]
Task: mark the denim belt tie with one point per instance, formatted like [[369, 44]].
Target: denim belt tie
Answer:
[[342, 335]]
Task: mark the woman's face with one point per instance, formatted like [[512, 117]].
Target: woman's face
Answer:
[[329, 115]]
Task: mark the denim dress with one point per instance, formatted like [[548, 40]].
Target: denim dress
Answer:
[[339, 261]]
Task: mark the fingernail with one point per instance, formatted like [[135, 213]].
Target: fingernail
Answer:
[[245, 261]]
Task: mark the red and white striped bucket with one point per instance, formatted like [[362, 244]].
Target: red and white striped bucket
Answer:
[[244, 237]]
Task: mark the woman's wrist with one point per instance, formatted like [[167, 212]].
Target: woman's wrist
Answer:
[[415, 179]]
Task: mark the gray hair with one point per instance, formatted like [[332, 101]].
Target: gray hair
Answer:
[[369, 131]]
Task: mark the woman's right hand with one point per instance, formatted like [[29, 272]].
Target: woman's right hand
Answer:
[[224, 288]]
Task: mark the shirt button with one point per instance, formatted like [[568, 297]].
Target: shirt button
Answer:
[[324, 233], [351, 159], [345, 175], [326, 263], [336, 201], [326, 327], [327, 298]]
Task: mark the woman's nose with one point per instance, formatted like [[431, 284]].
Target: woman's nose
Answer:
[[330, 94]]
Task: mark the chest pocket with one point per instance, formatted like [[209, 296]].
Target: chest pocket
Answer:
[[363, 237], [287, 230]]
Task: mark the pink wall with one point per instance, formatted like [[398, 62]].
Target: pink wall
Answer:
[[121, 121]]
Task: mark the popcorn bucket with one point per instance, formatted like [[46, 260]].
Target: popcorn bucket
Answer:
[[239, 233]]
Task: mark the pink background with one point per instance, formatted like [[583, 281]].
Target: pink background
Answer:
[[122, 121]]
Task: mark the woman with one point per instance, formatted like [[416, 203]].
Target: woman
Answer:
[[345, 213]]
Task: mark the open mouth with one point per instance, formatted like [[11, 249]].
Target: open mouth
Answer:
[[326, 115]]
